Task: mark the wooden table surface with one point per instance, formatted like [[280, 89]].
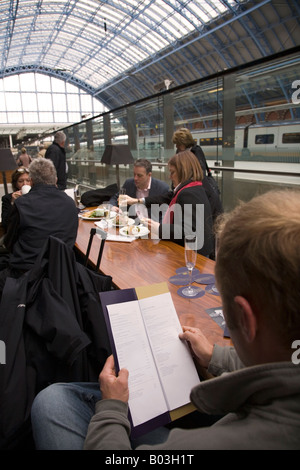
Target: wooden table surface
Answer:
[[145, 261]]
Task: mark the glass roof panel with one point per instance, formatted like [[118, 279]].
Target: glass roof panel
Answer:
[[97, 40]]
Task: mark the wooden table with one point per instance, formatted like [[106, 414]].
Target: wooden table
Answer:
[[145, 261]]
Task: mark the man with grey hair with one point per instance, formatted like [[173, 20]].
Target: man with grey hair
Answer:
[[57, 153], [42, 212]]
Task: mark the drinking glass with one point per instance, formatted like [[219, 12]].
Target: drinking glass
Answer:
[[123, 207], [190, 251], [122, 199]]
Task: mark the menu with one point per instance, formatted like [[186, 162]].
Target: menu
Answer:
[[143, 326]]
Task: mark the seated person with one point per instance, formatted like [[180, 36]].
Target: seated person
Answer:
[[19, 178], [189, 210], [165, 198], [141, 185], [256, 383], [42, 212]]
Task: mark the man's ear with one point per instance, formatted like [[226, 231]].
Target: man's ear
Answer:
[[247, 318]]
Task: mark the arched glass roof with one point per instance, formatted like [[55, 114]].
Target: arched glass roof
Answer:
[[92, 42], [120, 51]]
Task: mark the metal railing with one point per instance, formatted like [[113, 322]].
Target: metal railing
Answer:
[[234, 183]]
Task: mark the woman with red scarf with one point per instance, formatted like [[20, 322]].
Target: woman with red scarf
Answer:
[[189, 210]]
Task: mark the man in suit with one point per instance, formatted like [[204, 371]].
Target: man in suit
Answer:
[[141, 186], [57, 153]]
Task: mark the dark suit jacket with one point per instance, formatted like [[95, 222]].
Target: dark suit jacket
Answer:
[[6, 209], [57, 154], [157, 188]]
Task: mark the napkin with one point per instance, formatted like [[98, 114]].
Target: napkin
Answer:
[[113, 237]]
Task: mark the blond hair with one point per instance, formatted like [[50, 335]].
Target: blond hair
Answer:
[[183, 137], [258, 258], [187, 166]]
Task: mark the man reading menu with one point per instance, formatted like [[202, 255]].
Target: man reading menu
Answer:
[[257, 382]]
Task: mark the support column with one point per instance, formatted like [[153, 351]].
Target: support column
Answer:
[[131, 128], [228, 133], [107, 129], [90, 153], [168, 121]]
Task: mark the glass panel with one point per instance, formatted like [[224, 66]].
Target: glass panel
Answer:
[[2, 101], [27, 82], [29, 102], [261, 138], [44, 101], [291, 138], [73, 103], [46, 117], [264, 139], [11, 83], [60, 117], [59, 102], [30, 117], [3, 118], [14, 117], [13, 101], [43, 83]]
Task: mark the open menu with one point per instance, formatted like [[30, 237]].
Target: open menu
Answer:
[[143, 327]]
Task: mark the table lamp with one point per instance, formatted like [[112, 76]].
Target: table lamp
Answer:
[[7, 162], [116, 154]]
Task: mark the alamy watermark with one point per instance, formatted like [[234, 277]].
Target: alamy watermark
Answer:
[[296, 354], [188, 221], [295, 358], [296, 94], [2, 352]]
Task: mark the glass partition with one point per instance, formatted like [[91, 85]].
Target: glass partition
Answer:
[[246, 119]]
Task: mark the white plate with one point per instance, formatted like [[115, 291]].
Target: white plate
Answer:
[[140, 232], [129, 222], [85, 216]]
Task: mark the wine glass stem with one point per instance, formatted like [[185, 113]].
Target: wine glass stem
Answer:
[[190, 273]]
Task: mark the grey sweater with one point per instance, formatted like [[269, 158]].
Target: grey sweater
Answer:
[[261, 405]]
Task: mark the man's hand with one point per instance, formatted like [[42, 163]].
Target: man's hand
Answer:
[[201, 347], [113, 386], [129, 200], [152, 225]]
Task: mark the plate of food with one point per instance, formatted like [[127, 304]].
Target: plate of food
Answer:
[[96, 214], [121, 221], [134, 231]]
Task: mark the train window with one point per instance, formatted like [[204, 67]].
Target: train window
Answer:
[[210, 141], [264, 139], [291, 138]]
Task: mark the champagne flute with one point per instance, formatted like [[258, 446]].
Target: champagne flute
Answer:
[[123, 206], [190, 251], [122, 199]]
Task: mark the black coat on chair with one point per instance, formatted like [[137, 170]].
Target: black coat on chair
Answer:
[[52, 324]]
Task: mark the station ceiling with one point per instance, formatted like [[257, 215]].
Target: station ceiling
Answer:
[[120, 51]]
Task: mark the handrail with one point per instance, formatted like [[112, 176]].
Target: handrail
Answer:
[[216, 168], [262, 172]]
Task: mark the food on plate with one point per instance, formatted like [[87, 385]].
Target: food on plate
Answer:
[[121, 220], [132, 230], [96, 213]]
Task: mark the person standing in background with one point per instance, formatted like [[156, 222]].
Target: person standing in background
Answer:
[[24, 159], [42, 151], [57, 153]]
